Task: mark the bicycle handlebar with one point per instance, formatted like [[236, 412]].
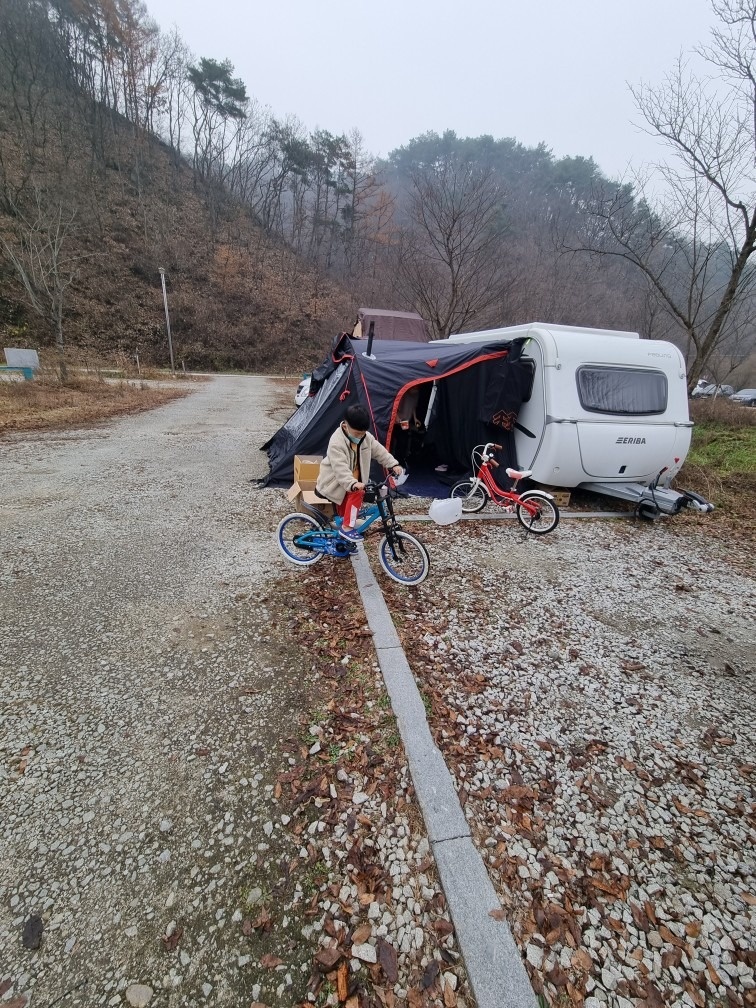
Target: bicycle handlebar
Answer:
[[374, 488], [488, 448]]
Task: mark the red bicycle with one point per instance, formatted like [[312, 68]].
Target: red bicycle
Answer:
[[535, 509]]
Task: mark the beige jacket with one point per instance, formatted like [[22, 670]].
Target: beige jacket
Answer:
[[336, 477]]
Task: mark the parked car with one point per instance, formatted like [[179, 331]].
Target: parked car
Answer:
[[303, 391], [746, 397], [712, 391]]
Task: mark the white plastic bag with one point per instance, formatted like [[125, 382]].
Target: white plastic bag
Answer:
[[446, 511]]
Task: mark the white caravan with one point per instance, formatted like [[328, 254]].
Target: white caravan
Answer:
[[608, 412]]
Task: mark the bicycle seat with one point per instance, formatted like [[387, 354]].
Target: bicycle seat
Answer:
[[518, 474]]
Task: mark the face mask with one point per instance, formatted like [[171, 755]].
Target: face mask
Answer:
[[354, 440]]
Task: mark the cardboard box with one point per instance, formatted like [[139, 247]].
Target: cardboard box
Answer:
[[304, 492], [560, 495], [306, 468]]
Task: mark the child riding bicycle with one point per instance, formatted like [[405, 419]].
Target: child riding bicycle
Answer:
[[346, 467]]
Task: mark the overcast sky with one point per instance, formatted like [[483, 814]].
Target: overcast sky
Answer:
[[555, 71]]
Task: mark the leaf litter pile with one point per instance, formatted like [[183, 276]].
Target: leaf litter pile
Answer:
[[364, 874], [602, 747]]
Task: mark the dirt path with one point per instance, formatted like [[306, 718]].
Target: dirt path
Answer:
[[144, 700]]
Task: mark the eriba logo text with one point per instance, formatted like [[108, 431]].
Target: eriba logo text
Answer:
[[630, 440]]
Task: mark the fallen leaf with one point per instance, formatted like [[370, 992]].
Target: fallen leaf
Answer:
[[498, 915], [270, 961], [640, 917], [31, 937], [263, 921], [362, 934], [654, 997], [431, 973], [450, 998], [613, 888], [557, 976], [388, 959], [171, 941], [668, 936], [695, 994], [581, 961], [713, 975], [342, 981], [327, 958]]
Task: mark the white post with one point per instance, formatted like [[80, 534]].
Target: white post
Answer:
[[167, 317]]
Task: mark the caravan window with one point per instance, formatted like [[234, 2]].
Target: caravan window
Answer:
[[622, 390]]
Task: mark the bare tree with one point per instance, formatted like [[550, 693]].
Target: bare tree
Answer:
[[448, 262], [42, 261], [693, 243]]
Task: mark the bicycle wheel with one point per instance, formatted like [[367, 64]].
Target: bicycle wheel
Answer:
[[404, 558], [474, 495], [547, 518], [298, 536]]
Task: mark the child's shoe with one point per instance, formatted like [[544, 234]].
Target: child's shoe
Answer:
[[351, 535]]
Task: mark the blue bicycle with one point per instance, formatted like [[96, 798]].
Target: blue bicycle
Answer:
[[304, 538]]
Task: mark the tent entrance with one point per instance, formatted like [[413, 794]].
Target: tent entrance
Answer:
[[475, 404], [458, 396]]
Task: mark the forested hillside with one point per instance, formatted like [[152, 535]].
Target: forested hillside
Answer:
[[121, 152]]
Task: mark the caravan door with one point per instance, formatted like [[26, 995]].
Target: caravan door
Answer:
[[623, 432]]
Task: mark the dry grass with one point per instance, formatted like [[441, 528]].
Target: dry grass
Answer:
[[47, 404], [721, 464]]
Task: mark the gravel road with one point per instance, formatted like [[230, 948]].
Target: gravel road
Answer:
[[124, 655]]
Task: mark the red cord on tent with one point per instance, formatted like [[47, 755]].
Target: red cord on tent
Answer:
[[370, 405], [347, 391]]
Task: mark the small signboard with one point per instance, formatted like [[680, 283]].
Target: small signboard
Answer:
[[15, 357]]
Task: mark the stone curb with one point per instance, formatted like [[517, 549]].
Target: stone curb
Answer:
[[504, 516], [494, 967]]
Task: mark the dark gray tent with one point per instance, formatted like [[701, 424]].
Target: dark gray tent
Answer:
[[474, 392]]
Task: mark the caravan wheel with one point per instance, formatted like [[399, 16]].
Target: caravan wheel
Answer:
[[648, 510]]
